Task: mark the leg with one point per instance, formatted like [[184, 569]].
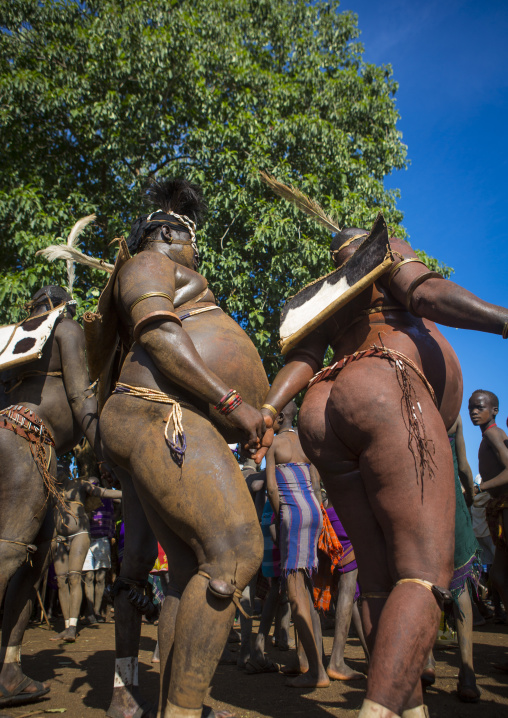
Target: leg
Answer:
[[301, 611], [196, 502], [100, 584], [17, 610], [23, 500], [357, 623], [267, 616], [467, 688], [246, 603], [88, 577], [413, 524], [61, 565], [140, 552], [77, 554], [337, 668]]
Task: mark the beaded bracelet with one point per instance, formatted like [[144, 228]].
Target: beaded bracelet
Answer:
[[229, 402]]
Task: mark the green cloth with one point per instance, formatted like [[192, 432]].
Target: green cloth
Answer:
[[465, 559]]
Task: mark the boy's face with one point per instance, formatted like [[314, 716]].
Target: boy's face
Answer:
[[481, 409]]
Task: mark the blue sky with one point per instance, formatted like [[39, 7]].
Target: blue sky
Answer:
[[450, 58]]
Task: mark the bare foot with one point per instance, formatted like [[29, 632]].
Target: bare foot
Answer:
[[18, 688], [60, 636], [344, 673], [306, 680], [127, 702], [294, 669], [70, 634]]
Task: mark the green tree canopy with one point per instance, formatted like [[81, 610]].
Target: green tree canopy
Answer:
[[97, 96]]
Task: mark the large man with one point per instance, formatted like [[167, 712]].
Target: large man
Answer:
[[375, 426], [47, 407]]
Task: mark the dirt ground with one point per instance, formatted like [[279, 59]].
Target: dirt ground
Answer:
[[81, 676]]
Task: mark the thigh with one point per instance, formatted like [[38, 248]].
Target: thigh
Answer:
[[61, 558], [22, 495], [140, 544], [414, 508], [78, 550], [206, 501]]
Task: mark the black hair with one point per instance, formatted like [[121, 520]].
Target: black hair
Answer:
[[172, 195], [177, 195], [339, 238], [58, 295], [493, 398]]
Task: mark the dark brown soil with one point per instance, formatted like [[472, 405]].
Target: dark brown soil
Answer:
[[81, 676]]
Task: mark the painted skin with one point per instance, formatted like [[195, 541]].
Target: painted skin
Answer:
[[353, 430], [62, 404], [189, 508]]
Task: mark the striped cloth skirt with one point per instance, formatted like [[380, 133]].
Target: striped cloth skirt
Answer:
[[300, 518]]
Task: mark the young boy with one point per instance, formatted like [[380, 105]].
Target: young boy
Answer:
[[493, 465]]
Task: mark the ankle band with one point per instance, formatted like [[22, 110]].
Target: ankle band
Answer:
[[126, 672]]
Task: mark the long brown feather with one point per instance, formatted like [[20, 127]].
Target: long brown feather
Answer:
[[300, 200]]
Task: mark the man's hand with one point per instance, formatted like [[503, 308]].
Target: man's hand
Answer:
[[250, 421], [266, 441]]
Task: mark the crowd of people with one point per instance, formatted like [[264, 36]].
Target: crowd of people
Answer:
[[362, 510]]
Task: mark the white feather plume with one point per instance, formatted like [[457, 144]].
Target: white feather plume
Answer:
[[70, 254], [71, 243]]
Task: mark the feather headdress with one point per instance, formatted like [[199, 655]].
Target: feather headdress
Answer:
[[70, 254], [300, 200]]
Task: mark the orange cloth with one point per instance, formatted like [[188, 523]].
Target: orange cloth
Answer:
[[329, 554]]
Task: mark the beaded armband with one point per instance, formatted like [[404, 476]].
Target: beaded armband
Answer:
[[229, 402], [153, 317]]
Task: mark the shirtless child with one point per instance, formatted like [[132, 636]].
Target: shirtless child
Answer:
[[493, 466], [292, 485]]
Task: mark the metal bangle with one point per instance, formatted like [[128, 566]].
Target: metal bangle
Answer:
[[270, 408], [148, 295], [398, 266]]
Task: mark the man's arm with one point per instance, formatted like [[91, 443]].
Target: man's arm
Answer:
[[440, 300], [71, 343], [498, 442], [168, 344], [465, 473], [93, 490]]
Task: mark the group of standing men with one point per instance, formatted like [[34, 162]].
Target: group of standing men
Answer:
[[374, 424]]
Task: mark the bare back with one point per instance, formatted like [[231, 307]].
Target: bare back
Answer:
[[51, 396]]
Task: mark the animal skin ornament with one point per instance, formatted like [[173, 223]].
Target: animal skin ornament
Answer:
[[316, 302], [23, 342]]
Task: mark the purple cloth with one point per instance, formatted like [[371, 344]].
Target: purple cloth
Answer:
[[346, 545], [102, 521]]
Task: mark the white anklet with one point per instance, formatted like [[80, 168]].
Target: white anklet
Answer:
[[10, 654], [370, 709], [126, 672]]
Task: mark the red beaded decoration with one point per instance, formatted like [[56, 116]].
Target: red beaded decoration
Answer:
[[229, 402]]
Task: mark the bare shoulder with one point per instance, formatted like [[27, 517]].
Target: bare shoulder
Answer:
[[147, 271], [142, 265], [496, 437], [401, 247], [68, 327]]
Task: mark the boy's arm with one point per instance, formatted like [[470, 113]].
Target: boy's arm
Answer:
[[465, 473], [498, 442], [316, 484], [271, 481]]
